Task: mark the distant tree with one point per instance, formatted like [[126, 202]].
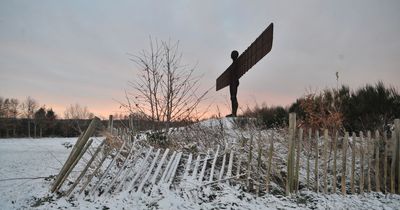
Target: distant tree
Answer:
[[40, 119], [14, 112], [50, 114], [29, 107], [1, 107], [51, 121], [75, 113], [13, 108]]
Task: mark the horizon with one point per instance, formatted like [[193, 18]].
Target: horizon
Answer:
[[77, 52]]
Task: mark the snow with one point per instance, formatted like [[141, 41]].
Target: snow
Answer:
[[30, 158]]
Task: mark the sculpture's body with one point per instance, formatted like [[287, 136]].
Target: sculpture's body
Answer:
[[241, 64], [234, 84]]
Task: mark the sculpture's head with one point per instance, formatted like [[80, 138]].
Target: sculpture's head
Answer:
[[234, 55]]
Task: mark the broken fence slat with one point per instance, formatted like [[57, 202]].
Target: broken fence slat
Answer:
[[83, 151], [107, 169], [229, 172], [196, 165], [141, 168], [149, 171], [92, 174], [187, 168], [172, 167], [128, 171], [213, 165], [166, 170], [75, 153], [82, 174], [204, 166], [175, 168], [153, 180], [221, 173], [120, 170]]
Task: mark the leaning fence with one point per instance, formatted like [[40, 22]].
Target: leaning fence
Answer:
[[317, 160]]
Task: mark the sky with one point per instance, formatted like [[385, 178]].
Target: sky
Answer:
[[67, 52]]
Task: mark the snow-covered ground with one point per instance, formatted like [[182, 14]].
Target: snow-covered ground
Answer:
[[40, 158]]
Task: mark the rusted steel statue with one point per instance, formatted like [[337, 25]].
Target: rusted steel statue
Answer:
[[241, 64]]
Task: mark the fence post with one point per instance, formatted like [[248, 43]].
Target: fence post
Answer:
[[74, 155], [377, 174], [353, 163], [316, 161], [326, 136], [299, 142], [369, 161], [291, 147], [385, 141], [362, 162], [396, 155], [271, 150], [309, 152], [334, 160], [344, 153], [110, 124]]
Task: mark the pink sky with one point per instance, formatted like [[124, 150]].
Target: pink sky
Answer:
[[63, 53]]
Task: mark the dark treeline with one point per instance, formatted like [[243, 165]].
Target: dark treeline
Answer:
[[16, 128], [27, 119], [370, 107]]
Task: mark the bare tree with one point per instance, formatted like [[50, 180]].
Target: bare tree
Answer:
[[29, 107], [165, 90], [76, 112]]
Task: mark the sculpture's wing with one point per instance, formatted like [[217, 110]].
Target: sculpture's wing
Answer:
[[225, 78], [257, 50]]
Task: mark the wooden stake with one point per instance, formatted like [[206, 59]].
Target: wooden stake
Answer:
[[353, 163], [79, 146], [335, 139], [393, 165], [385, 141], [362, 162], [316, 174], [344, 154], [326, 142], [291, 153], [249, 168], [369, 154], [299, 144], [270, 155], [377, 173], [83, 172], [309, 152], [396, 155], [258, 167]]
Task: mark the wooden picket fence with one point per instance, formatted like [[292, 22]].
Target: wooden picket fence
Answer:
[[339, 155], [135, 167]]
